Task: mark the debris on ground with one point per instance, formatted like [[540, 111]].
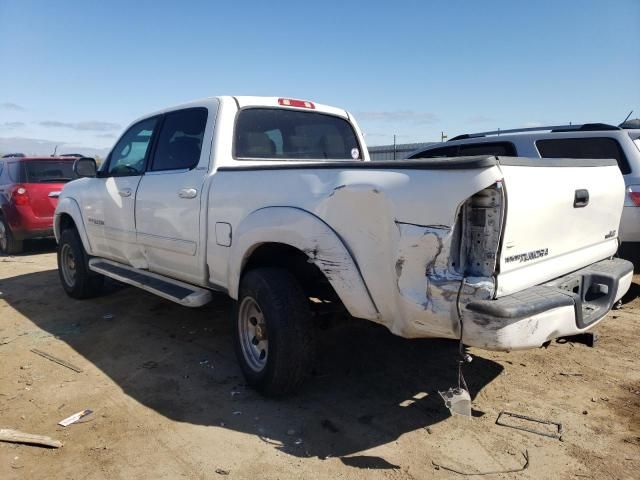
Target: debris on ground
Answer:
[[220, 471], [57, 360], [557, 427], [458, 401], [525, 454], [74, 418], [107, 316], [14, 436]]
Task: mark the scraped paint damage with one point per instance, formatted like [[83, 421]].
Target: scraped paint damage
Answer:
[[428, 281], [430, 261]]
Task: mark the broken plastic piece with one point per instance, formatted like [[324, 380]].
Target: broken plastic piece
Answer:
[[457, 400], [74, 418]]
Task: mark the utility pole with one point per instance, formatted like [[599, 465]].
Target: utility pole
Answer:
[[394, 146], [442, 136]]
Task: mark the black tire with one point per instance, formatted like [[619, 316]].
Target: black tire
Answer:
[[289, 329], [9, 245], [85, 283]]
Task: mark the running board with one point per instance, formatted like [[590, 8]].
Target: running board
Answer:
[[174, 290]]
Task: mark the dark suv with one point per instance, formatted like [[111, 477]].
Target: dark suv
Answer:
[[29, 190]]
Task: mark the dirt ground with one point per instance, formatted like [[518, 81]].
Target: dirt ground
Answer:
[[169, 402]]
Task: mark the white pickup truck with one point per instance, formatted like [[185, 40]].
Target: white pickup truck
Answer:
[[274, 202]]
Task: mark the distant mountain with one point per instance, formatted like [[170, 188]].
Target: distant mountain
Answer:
[[34, 146]]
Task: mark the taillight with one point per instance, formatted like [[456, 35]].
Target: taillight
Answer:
[[634, 194], [289, 102], [20, 196]]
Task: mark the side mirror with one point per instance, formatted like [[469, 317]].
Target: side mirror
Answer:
[[85, 167]]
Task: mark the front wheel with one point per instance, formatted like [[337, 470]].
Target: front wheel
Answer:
[[273, 331], [73, 269]]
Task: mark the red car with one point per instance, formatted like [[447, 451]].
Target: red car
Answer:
[[29, 189]]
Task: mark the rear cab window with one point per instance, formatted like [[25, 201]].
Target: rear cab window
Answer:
[[594, 147], [283, 134]]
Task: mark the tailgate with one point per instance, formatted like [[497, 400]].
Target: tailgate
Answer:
[[561, 215]]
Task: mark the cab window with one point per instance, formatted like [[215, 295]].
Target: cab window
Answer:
[[180, 140], [129, 155], [284, 134]]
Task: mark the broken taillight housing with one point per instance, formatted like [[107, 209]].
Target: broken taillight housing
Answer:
[[634, 194], [481, 231]]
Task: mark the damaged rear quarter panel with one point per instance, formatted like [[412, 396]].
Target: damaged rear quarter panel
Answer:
[[397, 225]]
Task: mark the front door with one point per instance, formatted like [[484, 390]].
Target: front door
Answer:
[[108, 204], [170, 201]]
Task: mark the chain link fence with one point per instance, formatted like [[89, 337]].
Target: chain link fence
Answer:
[[395, 152]]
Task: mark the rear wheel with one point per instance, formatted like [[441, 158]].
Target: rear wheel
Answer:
[[9, 245], [273, 331], [73, 269]]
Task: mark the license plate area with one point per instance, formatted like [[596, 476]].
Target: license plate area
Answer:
[[592, 292]]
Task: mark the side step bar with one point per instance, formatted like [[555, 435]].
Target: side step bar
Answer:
[[174, 290]]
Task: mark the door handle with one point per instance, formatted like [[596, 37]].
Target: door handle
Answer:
[[187, 193], [125, 192], [581, 198]]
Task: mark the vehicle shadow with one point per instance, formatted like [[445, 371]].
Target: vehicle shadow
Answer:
[[369, 387]]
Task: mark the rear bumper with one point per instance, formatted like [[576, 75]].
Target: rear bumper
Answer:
[[565, 306]]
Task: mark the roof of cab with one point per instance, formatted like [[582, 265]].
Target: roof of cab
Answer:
[[248, 101]]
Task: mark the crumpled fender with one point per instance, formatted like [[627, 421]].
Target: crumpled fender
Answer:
[[69, 206], [302, 230]]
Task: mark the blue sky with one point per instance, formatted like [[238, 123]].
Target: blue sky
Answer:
[[78, 72]]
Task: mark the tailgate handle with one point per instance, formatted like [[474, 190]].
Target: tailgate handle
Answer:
[[581, 199]]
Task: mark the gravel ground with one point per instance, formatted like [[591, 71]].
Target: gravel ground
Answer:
[[169, 401]]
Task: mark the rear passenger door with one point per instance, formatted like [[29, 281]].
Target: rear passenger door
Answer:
[[170, 196]]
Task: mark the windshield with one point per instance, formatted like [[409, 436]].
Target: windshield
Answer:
[[47, 171], [281, 134]]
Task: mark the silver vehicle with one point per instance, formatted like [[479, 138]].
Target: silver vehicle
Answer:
[[590, 140]]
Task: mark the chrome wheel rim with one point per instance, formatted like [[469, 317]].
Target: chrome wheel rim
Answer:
[[3, 237], [68, 265], [252, 328]]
